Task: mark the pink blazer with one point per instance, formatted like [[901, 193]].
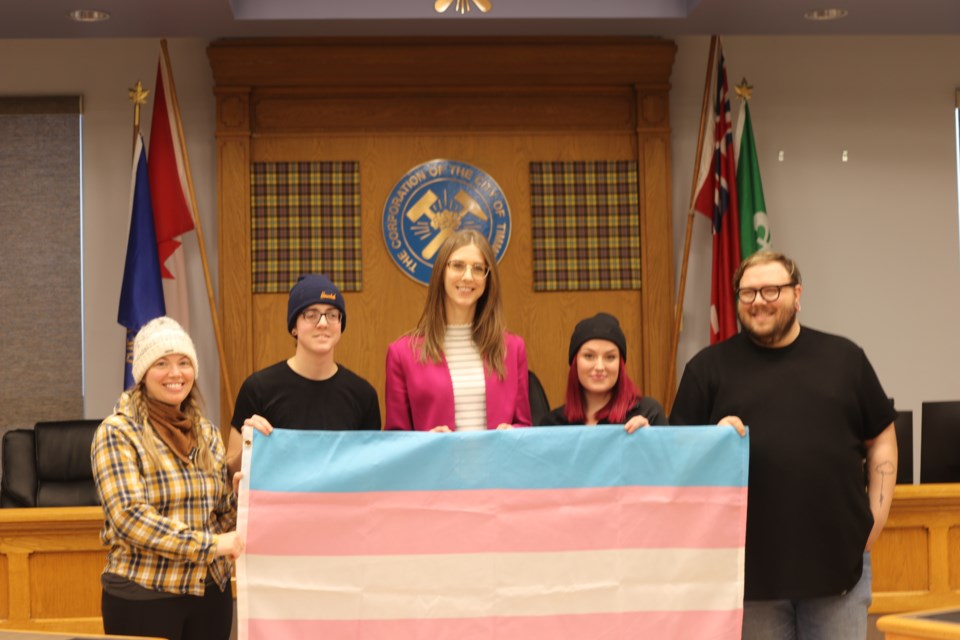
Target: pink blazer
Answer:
[[420, 395]]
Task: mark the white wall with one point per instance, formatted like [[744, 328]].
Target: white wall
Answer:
[[102, 71], [876, 237]]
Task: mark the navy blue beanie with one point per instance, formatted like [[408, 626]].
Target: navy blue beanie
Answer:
[[314, 289], [602, 326]]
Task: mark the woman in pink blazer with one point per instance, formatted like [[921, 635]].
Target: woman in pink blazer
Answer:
[[459, 370]]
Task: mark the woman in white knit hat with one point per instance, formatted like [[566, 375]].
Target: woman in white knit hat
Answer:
[[169, 506]]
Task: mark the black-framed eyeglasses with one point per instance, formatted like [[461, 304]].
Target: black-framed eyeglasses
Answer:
[[313, 315], [769, 293], [459, 267]]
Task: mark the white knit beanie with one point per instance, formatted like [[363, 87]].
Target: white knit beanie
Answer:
[[158, 338]]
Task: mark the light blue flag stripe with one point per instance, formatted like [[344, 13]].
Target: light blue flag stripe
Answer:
[[534, 458]]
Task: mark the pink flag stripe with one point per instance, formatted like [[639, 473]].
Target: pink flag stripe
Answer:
[[715, 625], [493, 520]]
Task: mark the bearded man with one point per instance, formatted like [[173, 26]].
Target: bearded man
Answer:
[[816, 414]]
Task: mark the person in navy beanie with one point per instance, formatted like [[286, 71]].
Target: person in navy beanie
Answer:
[[309, 390]]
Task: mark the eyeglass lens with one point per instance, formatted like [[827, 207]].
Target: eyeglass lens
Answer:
[[314, 315]]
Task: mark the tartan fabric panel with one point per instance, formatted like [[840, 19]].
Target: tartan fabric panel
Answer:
[[305, 218], [586, 225]]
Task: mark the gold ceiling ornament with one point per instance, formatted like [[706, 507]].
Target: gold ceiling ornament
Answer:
[[462, 6], [744, 91]]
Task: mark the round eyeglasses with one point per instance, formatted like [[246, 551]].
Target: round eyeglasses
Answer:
[[769, 293], [459, 267]]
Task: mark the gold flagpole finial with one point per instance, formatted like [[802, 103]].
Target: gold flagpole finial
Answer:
[[744, 91], [138, 97]]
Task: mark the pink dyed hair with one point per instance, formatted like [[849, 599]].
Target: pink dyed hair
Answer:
[[624, 396]]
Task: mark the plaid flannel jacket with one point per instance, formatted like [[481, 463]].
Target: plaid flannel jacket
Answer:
[[161, 516]]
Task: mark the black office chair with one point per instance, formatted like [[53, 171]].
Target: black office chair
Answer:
[[903, 424], [18, 484], [49, 465], [940, 442], [539, 405]]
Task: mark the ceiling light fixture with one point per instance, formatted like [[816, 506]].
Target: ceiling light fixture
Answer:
[[825, 14], [88, 15], [462, 6]]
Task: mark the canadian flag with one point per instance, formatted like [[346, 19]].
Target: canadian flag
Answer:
[[172, 214]]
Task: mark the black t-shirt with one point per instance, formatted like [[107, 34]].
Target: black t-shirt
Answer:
[[645, 406], [343, 402], [809, 407]]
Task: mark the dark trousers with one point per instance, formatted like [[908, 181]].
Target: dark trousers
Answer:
[[179, 618]]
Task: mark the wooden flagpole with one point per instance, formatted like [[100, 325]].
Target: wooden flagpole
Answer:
[[678, 315], [224, 374]]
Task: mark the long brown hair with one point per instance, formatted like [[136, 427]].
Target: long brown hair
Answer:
[[488, 325]]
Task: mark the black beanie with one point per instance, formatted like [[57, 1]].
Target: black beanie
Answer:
[[602, 326], [314, 289]]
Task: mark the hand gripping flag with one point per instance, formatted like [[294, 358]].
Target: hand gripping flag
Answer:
[[561, 533]]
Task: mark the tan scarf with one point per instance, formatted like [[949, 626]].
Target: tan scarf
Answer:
[[173, 427]]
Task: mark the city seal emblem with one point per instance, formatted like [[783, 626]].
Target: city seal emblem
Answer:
[[432, 202]]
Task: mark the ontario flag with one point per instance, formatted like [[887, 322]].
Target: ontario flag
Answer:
[[717, 199], [555, 532]]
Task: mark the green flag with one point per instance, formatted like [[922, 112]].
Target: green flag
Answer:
[[754, 225]]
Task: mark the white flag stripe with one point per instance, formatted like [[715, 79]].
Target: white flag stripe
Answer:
[[418, 586], [175, 295]]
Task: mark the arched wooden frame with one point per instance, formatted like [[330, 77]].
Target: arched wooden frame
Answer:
[[584, 99]]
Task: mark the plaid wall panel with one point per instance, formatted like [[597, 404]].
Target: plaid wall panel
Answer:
[[305, 218], [586, 225]]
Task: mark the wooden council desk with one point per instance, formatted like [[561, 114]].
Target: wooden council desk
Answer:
[[916, 560], [51, 559], [943, 624], [46, 635], [50, 565]]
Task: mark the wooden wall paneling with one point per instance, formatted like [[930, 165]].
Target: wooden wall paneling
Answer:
[[486, 109], [233, 211], [391, 302], [656, 228], [446, 62], [517, 102]]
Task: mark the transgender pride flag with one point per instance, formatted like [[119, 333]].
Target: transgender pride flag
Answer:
[[559, 533]]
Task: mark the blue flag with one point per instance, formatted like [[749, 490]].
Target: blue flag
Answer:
[[141, 296]]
